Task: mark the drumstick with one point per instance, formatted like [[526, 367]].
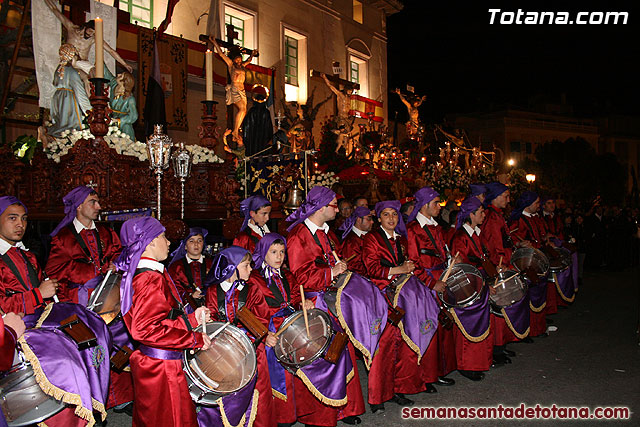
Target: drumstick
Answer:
[[335, 255], [500, 263], [204, 322], [281, 330], [304, 311], [350, 258], [448, 272], [501, 282], [213, 335]]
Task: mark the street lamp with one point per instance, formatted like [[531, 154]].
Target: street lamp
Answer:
[[531, 178], [511, 162]]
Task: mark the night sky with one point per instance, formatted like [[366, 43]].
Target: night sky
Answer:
[[449, 51]]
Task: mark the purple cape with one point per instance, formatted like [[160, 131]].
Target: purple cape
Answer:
[[6, 201], [468, 206], [395, 205], [72, 200], [423, 196], [517, 317], [252, 203], [420, 321], [242, 403], [475, 319], [564, 284], [494, 189], [135, 235], [347, 225], [537, 294], [317, 198], [525, 200], [182, 249]]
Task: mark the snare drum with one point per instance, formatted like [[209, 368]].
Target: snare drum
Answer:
[[294, 348], [22, 400], [561, 262], [105, 299], [464, 286], [524, 258], [510, 290], [224, 368]]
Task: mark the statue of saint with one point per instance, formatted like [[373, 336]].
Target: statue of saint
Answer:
[[344, 124], [122, 101], [236, 94], [412, 108]]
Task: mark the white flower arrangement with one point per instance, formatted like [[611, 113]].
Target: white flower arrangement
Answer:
[[325, 179], [122, 143]]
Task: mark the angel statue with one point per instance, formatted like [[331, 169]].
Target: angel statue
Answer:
[[301, 129]]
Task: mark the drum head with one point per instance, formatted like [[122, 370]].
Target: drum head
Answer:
[[464, 285], [561, 262], [225, 367], [22, 400], [294, 348], [524, 258], [105, 299], [511, 289]]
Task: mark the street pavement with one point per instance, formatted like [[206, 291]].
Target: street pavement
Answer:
[[591, 361]]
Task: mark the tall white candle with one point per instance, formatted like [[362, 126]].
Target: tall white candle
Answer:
[[209, 74], [99, 37]]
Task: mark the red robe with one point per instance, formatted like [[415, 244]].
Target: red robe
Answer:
[[247, 239], [179, 275], [394, 368], [554, 224], [161, 390], [257, 305], [8, 341], [440, 357], [308, 263], [284, 410], [71, 265], [470, 356], [20, 295], [495, 237], [352, 247]]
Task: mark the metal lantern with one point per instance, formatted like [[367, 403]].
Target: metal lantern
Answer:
[[182, 169], [159, 151]]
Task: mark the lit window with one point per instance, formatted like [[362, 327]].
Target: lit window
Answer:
[[244, 25], [140, 11], [354, 75], [291, 60], [238, 27], [358, 74], [357, 11]]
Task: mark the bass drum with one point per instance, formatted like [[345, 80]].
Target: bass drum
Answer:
[[22, 400], [294, 348], [524, 258], [464, 286], [510, 289], [224, 368]]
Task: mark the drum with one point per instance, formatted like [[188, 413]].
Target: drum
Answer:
[[525, 258], [224, 368], [105, 299], [464, 286], [294, 348], [560, 261], [509, 290], [22, 400]]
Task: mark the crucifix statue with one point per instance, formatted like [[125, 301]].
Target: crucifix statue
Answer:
[[235, 92]]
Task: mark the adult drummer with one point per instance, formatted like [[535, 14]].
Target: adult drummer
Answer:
[[153, 314], [553, 221], [311, 251], [189, 267], [428, 252], [282, 295], [472, 332], [394, 369], [353, 230], [256, 210], [22, 285], [227, 291], [80, 249]]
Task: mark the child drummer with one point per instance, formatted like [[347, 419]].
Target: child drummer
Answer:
[[153, 314], [227, 291]]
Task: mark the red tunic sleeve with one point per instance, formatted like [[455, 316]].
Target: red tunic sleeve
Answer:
[[7, 346], [306, 260], [493, 229], [147, 319], [352, 246], [418, 240], [247, 239], [13, 296], [373, 251]]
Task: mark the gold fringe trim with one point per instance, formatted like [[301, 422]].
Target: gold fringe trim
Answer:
[[350, 375], [562, 295], [405, 337], [252, 414], [464, 331], [44, 315], [42, 424], [539, 309], [322, 398], [506, 319], [357, 344], [57, 393], [279, 395]]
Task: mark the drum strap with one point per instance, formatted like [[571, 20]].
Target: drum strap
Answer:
[[530, 227], [399, 258], [222, 305], [253, 237], [433, 240], [332, 246], [33, 275], [84, 247], [187, 271], [475, 245], [175, 312], [278, 297]]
